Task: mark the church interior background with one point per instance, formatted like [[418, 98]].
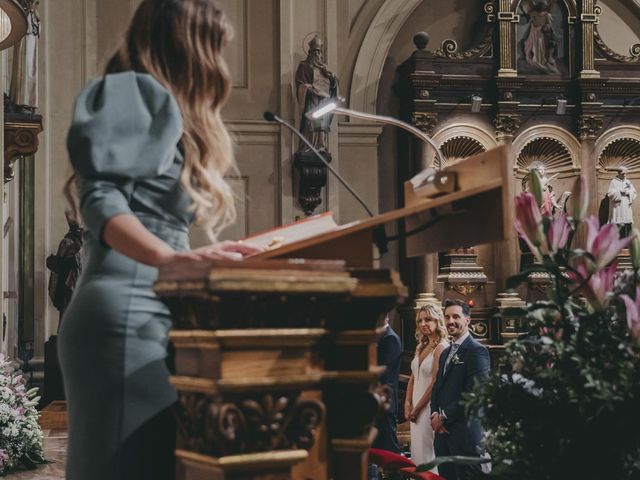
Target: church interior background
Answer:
[[466, 82]]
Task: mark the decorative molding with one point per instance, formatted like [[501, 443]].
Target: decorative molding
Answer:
[[555, 162], [507, 124], [551, 152], [425, 121], [623, 152], [634, 50], [458, 148], [20, 140], [212, 426], [589, 126], [449, 48]]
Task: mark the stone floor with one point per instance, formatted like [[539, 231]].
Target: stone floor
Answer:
[[55, 451]]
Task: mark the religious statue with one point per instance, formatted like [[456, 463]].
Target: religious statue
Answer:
[[540, 43], [550, 204], [24, 76], [315, 85], [621, 195], [65, 265]]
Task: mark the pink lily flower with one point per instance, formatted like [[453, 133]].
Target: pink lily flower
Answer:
[[604, 243], [633, 314], [600, 283], [580, 198], [528, 221], [559, 233]]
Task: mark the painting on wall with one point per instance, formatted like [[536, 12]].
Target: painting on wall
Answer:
[[542, 35]]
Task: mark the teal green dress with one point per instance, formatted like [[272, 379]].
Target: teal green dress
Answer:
[[123, 145]]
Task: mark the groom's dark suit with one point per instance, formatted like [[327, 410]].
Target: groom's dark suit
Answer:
[[468, 365]]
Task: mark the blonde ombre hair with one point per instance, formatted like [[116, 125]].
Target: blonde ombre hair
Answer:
[[435, 312], [179, 43]]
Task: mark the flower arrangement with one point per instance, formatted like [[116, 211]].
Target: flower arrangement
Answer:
[[20, 433], [570, 405]]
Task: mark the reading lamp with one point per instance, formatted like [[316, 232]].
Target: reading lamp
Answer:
[[333, 107]]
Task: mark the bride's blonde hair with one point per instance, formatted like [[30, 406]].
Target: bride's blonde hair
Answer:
[[179, 42], [435, 312]]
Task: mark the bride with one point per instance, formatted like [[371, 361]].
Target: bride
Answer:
[[431, 335]]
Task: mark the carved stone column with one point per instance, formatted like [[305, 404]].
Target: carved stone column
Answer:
[[589, 16], [507, 21], [506, 252]]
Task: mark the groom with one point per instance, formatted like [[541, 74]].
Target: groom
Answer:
[[463, 364]]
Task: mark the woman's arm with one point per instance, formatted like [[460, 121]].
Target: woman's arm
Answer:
[[426, 396], [407, 398], [127, 235]]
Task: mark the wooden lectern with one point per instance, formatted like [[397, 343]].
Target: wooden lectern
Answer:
[[275, 357]]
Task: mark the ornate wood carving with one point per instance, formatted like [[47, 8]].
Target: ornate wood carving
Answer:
[[621, 152], [588, 20], [590, 126], [458, 148], [426, 122], [313, 178], [449, 48], [507, 124], [268, 422], [20, 140], [634, 50], [554, 155]]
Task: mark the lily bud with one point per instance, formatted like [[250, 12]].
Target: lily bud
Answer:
[[635, 248], [580, 198], [535, 185]]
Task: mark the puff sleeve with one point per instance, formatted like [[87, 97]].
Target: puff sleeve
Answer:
[[125, 128]]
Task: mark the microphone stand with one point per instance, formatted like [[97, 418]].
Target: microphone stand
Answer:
[[379, 234]]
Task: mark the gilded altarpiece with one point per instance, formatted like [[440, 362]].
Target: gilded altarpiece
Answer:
[[542, 75]]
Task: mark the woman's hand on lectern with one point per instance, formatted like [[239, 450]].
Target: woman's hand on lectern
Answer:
[[226, 250]]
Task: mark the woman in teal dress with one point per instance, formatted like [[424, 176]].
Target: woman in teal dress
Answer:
[[149, 152]]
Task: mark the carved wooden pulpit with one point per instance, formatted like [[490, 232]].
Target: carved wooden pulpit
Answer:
[[275, 359]]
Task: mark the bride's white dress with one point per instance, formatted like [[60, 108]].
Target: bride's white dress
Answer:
[[421, 431]]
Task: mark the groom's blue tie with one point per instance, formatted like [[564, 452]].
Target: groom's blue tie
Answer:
[[452, 352]]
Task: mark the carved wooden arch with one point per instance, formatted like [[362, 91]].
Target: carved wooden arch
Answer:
[[618, 146], [373, 52], [554, 146], [462, 140]]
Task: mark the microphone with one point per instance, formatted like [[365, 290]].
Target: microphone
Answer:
[[379, 235]]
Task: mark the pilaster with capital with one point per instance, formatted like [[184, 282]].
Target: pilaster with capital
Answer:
[[425, 121], [589, 17], [507, 21], [507, 125]]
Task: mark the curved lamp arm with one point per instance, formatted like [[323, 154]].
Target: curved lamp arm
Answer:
[[334, 108]]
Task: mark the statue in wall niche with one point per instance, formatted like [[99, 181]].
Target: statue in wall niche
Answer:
[[23, 90], [315, 85], [539, 46], [65, 265], [621, 195], [550, 203]]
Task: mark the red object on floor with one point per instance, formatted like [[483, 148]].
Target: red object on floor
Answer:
[[411, 473], [389, 460]]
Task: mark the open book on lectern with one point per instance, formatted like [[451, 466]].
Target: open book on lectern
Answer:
[[474, 205]]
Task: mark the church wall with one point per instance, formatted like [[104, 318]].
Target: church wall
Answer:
[[79, 35]]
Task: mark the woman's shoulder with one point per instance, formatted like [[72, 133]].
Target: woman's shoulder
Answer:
[[124, 124]]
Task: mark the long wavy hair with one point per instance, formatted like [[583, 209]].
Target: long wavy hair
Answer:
[[433, 311], [179, 43]]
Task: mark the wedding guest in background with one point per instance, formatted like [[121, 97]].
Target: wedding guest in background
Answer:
[[431, 336], [462, 364], [389, 354], [149, 152]]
